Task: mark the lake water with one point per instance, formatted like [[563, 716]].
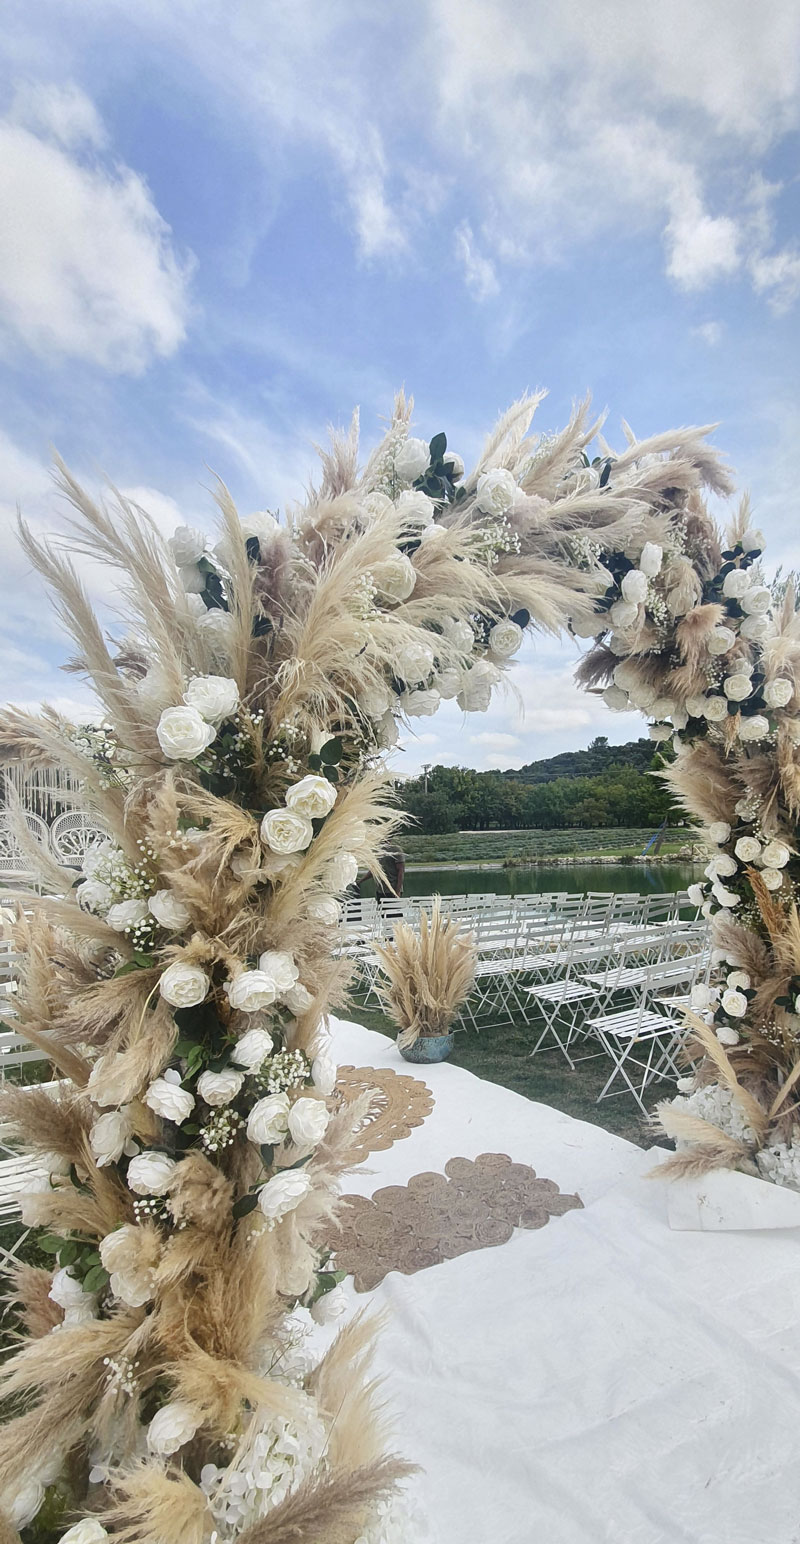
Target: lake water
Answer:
[[621, 878]]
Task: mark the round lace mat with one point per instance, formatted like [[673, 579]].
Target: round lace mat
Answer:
[[473, 1205], [400, 1104]]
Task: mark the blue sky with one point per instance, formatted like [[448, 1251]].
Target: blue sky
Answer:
[[224, 225]]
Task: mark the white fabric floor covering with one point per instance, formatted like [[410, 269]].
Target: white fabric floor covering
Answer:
[[602, 1378]]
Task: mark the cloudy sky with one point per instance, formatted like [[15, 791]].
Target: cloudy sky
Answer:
[[225, 224]]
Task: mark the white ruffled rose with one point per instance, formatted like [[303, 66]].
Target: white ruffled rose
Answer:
[[659, 732], [374, 700], [169, 911], [268, 1121], [448, 683], [130, 1281], [214, 697], [723, 866], [109, 1079], [726, 1035], [414, 662], [719, 831], [183, 985], [22, 1505], [420, 703], [778, 693], [260, 524], [67, 1291], [754, 728], [505, 639], [183, 734], [754, 628], [775, 855], [110, 1137], [736, 583], [252, 1049], [283, 1193], [616, 699], [739, 980], [251, 991], [281, 966], [166, 1098], [94, 856], [192, 580], [341, 871], [460, 634], [330, 1307], [748, 849], [496, 491], [308, 1122], [650, 559], [219, 1088], [313, 797], [720, 640], [89, 1530], [172, 1427], [395, 577], [387, 731], [734, 1003], [298, 1000], [412, 460], [94, 896], [217, 626], [772, 878], [476, 687], [715, 709], [695, 706], [283, 831], [187, 545], [151, 1173], [634, 587], [725, 897], [696, 895], [623, 614], [127, 914], [455, 464], [757, 601], [324, 909], [416, 508], [737, 687], [323, 1072]]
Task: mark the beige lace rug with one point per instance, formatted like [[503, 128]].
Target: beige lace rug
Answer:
[[473, 1205], [400, 1104]]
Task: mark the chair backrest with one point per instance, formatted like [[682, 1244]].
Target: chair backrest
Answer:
[[13, 864], [72, 834]]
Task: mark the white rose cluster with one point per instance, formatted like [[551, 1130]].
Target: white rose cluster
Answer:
[[496, 491]]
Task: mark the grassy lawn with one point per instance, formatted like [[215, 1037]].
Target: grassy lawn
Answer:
[[473, 847], [501, 1053]]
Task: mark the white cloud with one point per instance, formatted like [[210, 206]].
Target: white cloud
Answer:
[[63, 113], [480, 275], [711, 333], [701, 249], [87, 266]]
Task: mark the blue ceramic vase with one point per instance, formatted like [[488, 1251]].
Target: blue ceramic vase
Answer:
[[428, 1048]]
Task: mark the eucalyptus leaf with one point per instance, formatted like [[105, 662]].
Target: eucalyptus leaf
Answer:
[[245, 1205]]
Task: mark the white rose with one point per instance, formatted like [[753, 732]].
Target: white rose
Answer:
[[634, 587], [22, 1505], [110, 1136], [724, 896], [298, 1000], [378, 504], [251, 991], [374, 700], [772, 878], [283, 831], [387, 731], [739, 980], [448, 683], [252, 1049], [283, 1193], [720, 640], [324, 909], [696, 895], [723, 866], [702, 996], [650, 559], [754, 728], [66, 1290], [505, 639], [130, 1281], [323, 1072], [623, 614], [496, 491], [150, 1174], [748, 849], [166, 1098], [433, 533], [109, 1079], [715, 709], [341, 871], [94, 856], [695, 706], [455, 464], [260, 524], [188, 545], [217, 627], [93, 895], [127, 914], [219, 1088], [420, 703], [719, 831], [82, 1313], [313, 797], [659, 732], [476, 687], [754, 628], [172, 1427], [119, 1251], [183, 985], [214, 697], [412, 460], [757, 602], [616, 699], [775, 855], [395, 577], [414, 662], [778, 693], [736, 583], [268, 1121], [182, 734], [416, 507], [734, 1003], [726, 1035], [460, 634], [308, 1122], [169, 911], [281, 967], [330, 1307], [737, 687], [753, 541], [88, 1531], [192, 580]]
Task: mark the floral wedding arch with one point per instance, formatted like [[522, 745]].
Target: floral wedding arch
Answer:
[[178, 1381]]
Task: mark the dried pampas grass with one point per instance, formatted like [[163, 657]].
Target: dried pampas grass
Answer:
[[429, 975]]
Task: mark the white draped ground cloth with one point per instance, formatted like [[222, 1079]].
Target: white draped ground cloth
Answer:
[[599, 1379]]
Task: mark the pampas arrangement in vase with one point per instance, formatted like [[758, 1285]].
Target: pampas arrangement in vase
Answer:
[[429, 975], [169, 1387]]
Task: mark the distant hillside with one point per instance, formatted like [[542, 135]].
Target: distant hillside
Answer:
[[600, 757]]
